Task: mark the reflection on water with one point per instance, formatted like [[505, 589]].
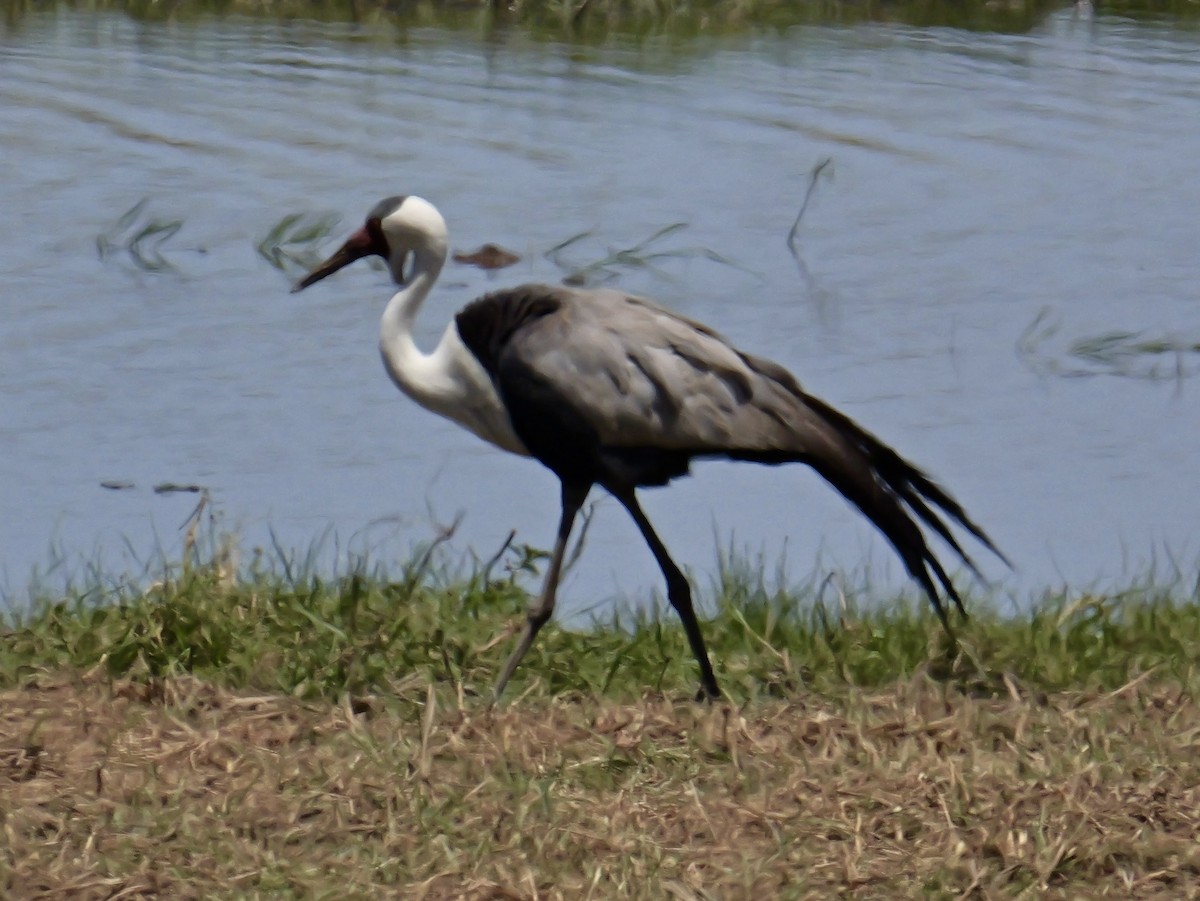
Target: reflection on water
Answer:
[[979, 180]]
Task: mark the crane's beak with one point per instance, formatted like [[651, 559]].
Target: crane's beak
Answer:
[[360, 244]]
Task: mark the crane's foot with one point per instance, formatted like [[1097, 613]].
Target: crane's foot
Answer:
[[708, 693]]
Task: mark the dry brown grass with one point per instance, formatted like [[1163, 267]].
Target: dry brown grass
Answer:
[[176, 788]]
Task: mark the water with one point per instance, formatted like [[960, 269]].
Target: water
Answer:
[[979, 180]]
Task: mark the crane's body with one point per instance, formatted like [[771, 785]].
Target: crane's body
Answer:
[[609, 389]]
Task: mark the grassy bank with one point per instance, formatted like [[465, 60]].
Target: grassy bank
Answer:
[[260, 735], [590, 21]]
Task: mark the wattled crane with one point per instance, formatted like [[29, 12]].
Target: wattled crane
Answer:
[[609, 389]]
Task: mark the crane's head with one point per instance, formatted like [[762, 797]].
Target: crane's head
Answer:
[[396, 228]]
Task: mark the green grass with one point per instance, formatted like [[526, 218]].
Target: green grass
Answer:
[[268, 733], [593, 21], [268, 628]]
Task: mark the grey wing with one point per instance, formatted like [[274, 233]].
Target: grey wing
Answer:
[[642, 376], [636, 376]]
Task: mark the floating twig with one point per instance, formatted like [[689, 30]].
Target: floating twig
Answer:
[[172, 488], [488, 257], [793, 241]]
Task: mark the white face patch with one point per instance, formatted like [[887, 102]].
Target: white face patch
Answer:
[[415, 221]]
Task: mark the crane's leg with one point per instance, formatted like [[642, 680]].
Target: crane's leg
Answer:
[[679, 593], [539, 614]]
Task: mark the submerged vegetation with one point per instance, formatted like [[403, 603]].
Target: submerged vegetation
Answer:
[[645, 254], [258, 731], [292, 241], [1121, 353], [140, 236]]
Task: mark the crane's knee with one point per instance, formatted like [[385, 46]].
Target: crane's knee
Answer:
[[679, 592], [536, 617]]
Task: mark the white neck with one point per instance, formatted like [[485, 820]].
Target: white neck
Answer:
[[400, 352], [449, 381]]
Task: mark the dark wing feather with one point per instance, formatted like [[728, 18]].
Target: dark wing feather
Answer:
[[488, 324]]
